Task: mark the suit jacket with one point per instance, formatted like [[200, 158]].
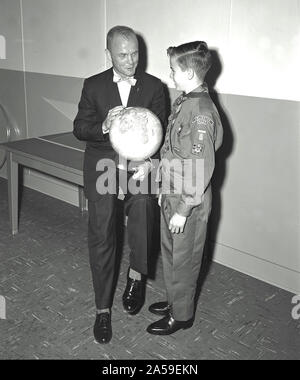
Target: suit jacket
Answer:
[[99, 95]]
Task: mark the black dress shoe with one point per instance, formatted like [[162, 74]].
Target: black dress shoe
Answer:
[[102, 328], [160, 308], [168, 325], [133, 297]]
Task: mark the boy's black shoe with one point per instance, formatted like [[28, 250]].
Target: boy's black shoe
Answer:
[[168, 325], [102, 328], [160, 308], [133, 297]]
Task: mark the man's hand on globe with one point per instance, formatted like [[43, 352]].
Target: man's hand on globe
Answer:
[[112, 114]]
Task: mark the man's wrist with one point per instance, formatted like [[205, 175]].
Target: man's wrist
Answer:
[[104, 128]]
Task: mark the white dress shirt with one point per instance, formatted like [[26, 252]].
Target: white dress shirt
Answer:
[[124, 90]]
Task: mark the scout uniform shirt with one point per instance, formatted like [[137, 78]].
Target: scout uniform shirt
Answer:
[[194, 133]]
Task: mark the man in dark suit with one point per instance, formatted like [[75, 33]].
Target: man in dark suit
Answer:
[[103, 96]]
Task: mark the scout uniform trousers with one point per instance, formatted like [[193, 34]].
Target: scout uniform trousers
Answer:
[[182, 256]]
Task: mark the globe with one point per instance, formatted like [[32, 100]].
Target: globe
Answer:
[[136, 133]]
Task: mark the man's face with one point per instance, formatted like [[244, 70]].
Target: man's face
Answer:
[[124, 54]]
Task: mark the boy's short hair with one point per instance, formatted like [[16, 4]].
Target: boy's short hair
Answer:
[[124, 31], [192, 55]]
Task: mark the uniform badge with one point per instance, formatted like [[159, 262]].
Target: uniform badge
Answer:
[[198, 149], [201, 134], [203, 120]]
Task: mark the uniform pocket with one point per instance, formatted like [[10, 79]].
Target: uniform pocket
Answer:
[[182, 144]]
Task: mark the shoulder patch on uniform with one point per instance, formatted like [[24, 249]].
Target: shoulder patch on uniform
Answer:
[[202, 120]]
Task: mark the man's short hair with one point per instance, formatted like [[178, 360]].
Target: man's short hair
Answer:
[[124, 31], [192, 55]]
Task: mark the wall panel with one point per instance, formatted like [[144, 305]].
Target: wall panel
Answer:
[[264, 55], [64, 37], [11, 31], [166, 23]]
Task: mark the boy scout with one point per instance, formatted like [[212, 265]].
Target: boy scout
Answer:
[[193, 135]]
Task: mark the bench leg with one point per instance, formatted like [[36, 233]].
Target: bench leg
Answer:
[[13, 190]]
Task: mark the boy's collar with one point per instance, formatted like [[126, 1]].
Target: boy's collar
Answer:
[[197, 91], [192, 94]]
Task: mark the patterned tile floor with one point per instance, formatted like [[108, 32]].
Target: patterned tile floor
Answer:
[[45, 279]]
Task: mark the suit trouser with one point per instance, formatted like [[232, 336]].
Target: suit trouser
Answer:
[[102, 240], [182, 256]]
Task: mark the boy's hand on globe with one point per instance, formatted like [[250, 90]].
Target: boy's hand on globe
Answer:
[[177, 223], [142, 171], [159, 199], [112, 114]]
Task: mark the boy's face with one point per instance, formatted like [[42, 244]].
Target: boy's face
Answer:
[[179, 77], [124, 54]]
